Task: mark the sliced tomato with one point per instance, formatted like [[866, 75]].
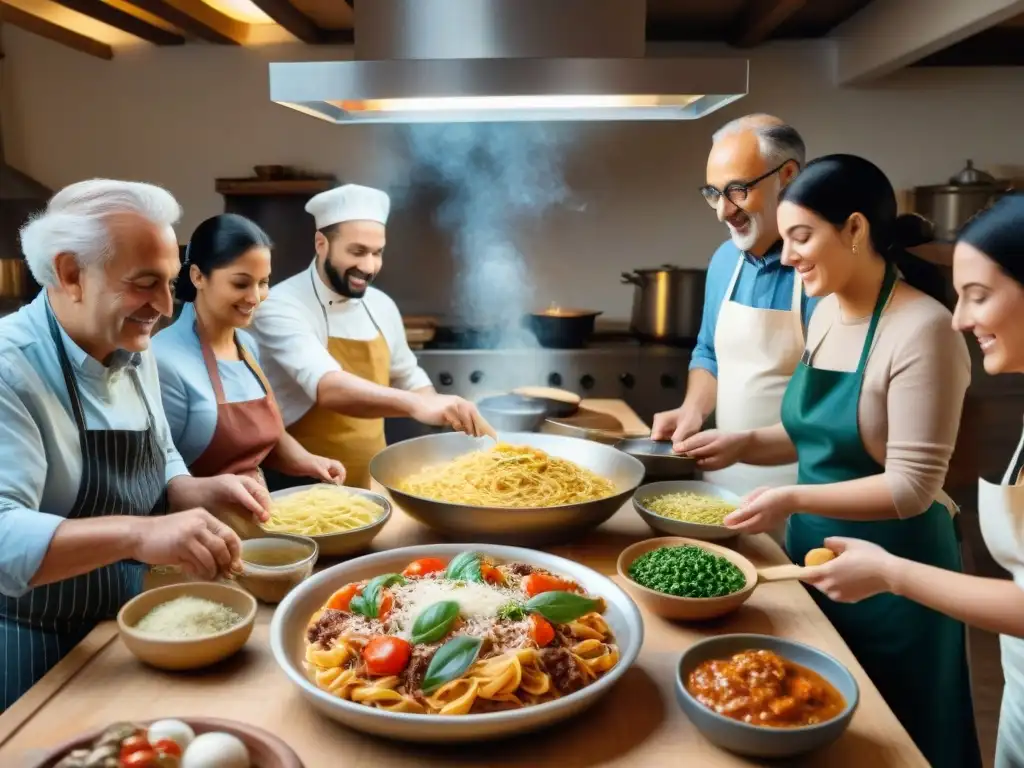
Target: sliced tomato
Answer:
[[167, 747], [541, 631], [423, 566], [387, 602], [144, 758], [339, 600], [536, 583], [386, 655], [491, 574]]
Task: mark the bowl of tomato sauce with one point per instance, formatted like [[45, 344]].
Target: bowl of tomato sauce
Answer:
[[765, 697]]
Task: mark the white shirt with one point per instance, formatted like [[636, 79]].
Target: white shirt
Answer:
[[290, 329]]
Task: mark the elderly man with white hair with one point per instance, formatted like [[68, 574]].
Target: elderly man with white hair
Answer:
[[755, 312], [88, 464]]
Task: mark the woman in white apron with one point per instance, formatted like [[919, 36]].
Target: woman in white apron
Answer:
[[988, 271]]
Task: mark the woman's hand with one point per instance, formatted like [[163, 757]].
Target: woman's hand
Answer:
[[713, 449], [328, 470], [764, 509], [861, 570]]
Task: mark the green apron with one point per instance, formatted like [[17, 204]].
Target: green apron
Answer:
[[915, 656]]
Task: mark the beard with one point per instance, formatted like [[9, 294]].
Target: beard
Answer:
[[340, 282], [757, 224]]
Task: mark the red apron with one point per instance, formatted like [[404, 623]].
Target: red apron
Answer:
[[246, 432]]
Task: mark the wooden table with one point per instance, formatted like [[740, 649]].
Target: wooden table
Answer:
[[637, 724]]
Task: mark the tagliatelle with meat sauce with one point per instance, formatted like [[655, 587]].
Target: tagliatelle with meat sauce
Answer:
[[461, 637]]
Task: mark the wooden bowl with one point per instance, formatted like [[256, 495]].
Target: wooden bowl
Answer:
[[685, 608], [265, 749], [191, 653]]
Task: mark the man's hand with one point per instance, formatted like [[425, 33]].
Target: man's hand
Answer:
[[195, 540], [676, 425], [322, 468], [440, 410]]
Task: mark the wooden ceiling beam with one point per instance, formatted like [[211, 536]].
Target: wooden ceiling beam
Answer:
[[115, 17], [292, 19], [1001, 46], [58, 34], [760, 19], [198, 19]]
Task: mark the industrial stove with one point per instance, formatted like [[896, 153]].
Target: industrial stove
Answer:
[[648, 377]]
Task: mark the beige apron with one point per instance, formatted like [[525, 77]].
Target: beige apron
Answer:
[[1001, 513], [757, 351]]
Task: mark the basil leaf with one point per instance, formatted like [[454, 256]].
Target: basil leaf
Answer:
[[512, 611], [435, 622], [367, 602], [464, 567], [560, 607], [451, 660]]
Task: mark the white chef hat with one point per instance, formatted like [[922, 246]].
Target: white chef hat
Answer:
[[350, 202]]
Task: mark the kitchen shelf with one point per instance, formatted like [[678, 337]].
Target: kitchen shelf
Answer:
[[274, 186]]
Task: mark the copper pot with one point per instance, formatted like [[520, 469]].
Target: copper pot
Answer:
[[13, 279]]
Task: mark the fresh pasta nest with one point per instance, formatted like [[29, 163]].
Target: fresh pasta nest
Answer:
[[515, 476], [462, 637], [320, 511]]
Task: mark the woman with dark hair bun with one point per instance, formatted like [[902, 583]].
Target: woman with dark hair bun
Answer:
[[871, 415], [988, 272], [222, 413]]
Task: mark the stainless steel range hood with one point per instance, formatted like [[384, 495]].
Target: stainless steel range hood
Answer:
[[505, 60]]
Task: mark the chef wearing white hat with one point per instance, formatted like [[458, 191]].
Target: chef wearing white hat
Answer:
[[334, 348]]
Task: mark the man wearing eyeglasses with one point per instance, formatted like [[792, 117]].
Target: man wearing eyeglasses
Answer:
[[755, 313]]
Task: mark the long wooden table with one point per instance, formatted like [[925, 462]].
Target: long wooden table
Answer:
[[637, 724]]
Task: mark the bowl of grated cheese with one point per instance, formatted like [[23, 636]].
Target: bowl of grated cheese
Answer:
[[187, 626]]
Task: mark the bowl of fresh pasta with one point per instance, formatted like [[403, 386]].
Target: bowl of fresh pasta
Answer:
[[455, 642], [527, 489], [341, 520]]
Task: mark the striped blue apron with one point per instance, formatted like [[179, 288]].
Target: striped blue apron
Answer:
[[122, 474]]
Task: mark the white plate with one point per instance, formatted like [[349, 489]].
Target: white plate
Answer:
[[344, 542], [288, 631], [679, 527]]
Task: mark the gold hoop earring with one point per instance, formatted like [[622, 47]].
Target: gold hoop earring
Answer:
[[854, 249]]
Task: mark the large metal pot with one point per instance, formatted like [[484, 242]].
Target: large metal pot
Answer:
[[667, 302], [949, 206]]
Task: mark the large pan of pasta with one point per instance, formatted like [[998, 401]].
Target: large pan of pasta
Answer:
[[528, 489], [452, 642]]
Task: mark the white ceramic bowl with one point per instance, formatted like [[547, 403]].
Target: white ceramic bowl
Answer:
[[672, 527], [288, 629], [343, 543]]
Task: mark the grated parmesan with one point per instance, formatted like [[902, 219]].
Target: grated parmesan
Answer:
[[187, 617], [476, 600]]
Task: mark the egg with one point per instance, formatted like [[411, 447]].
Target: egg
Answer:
[[177, 731], [215, 750], [818, 556]]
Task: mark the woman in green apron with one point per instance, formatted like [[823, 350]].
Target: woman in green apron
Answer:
[[988, 271], [871, 415]]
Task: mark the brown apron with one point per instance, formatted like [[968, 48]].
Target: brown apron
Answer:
[[246, 432], [351, 440]]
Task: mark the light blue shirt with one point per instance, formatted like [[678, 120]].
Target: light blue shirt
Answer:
[[764, 283], [189, 399], [40, 453]]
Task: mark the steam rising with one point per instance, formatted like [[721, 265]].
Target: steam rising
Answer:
[[494, 179]]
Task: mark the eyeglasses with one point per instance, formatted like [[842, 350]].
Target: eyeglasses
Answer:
[[736, 192]]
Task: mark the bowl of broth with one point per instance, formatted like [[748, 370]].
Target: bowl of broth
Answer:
[[274, 564], [805, 698]]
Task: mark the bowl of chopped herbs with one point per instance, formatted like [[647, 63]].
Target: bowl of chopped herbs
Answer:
[[679, 578]]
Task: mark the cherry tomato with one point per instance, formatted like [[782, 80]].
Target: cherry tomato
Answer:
[[387, 602], [541, 631], [168, 747], [339, 600], [144, 758], [536, 583], [491, 574], [423, 566], [386, 655], [133, 744]]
